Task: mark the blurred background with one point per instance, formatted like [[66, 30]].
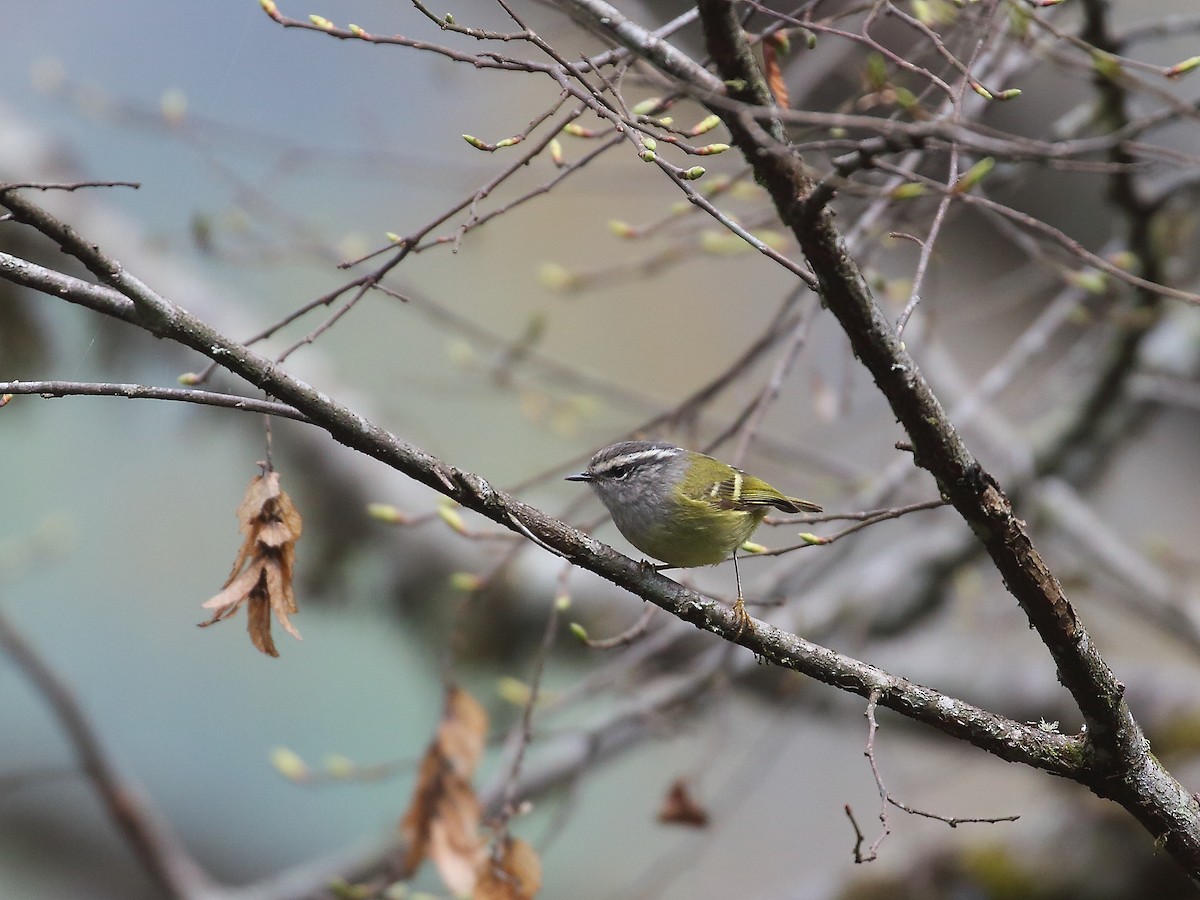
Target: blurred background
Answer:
[[266, 157]]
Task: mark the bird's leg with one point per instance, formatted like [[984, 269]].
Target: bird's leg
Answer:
[[739, 605]]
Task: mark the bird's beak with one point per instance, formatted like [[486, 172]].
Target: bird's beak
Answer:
[[579, 476]]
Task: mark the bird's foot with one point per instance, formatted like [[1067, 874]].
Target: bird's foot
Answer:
[[742, 617]]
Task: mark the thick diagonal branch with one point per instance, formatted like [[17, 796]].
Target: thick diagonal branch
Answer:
[[1123, 767]]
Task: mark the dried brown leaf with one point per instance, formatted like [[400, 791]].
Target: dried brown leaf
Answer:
[[515, 873], [443, 818], [455, 845], [681, 808], [261, 577], [258, 621], [773, 71], [463, 731]]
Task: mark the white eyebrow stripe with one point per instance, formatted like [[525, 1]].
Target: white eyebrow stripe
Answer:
[[625, 459]]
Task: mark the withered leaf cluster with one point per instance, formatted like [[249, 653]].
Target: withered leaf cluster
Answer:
[[262, 573], [444, 817]]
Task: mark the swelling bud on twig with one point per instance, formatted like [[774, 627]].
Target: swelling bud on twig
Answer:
[[448, 513], [1182, 68], [289, 764], [705, 125], [973, 175], [648, 106], [385, 512]]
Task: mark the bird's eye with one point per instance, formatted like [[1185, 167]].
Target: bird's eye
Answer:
[[618, 472]]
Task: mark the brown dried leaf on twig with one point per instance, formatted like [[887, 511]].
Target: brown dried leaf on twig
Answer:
[[772, 46], [262, 573], [443, 818], [512, 872], [681, 808]]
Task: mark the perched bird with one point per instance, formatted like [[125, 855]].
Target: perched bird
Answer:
[[681, 507]]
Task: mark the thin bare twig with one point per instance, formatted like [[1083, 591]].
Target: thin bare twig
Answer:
[[161, 854], [51, 389]]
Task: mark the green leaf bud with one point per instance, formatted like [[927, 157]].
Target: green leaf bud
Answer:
[[289, 764], [385, 512], [647, 106], [1182, 68], [974, 175]]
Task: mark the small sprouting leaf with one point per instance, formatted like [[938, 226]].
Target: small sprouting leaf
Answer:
[[339, 766], [174, 106], [647, 107], [289, 764], [1182, 68], [705, 125], [973, 175], [908, 191], [321, 22], [513, 691], [385, 512], [981, 90], [1106, 65], [557, 277], [466, 581], [877, 76], [448, 512], [622, 229], [1091, 280]]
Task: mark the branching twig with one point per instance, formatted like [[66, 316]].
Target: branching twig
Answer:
[[162, 856]]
